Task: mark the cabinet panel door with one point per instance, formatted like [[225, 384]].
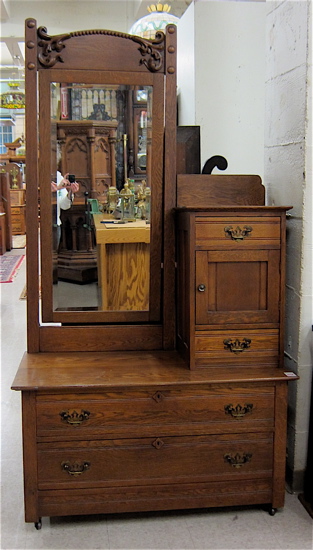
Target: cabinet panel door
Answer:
[[237, 286]]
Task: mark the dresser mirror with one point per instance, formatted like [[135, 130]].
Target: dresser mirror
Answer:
[[104, 276], [102, 134], [101, 253]]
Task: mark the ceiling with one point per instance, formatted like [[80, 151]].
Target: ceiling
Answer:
[[60, 16]]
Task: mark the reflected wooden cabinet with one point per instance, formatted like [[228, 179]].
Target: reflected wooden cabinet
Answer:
[[87, 149]]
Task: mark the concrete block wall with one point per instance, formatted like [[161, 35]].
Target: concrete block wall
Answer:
[[288, 179]]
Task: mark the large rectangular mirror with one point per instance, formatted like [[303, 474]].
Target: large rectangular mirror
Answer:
[[100, 175]]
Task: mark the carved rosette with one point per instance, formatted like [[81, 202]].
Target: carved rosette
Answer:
[[50, 47]]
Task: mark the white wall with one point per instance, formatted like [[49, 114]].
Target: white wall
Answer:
[[222, 87], [186, 68], [288, 177]]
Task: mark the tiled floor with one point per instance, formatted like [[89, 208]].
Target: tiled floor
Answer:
[[252, 528]]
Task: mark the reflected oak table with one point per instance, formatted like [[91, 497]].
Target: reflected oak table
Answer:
[[123, 263]]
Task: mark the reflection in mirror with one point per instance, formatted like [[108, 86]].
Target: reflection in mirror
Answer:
[[101, 140]]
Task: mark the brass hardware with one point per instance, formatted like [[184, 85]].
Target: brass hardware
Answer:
[[238, 411], [201, 288], [158, 443], [73, 417], [75, 469], [238, 460], [238, 234], [158, 396], [235, 346]]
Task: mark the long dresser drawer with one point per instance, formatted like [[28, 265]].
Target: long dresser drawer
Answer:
[[165, 411], [157, 460], [237, 231]]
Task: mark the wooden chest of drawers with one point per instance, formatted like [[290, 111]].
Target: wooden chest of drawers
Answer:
[[18, 220], [150, 435]]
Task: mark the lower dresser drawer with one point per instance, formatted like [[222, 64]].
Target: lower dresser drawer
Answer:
[[155, 460], [165, 411], [237, 347]]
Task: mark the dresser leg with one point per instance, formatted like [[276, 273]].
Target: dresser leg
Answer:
[[272, 511], [38, 524]]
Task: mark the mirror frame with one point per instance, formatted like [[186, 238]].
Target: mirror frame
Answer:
[[104, 57]]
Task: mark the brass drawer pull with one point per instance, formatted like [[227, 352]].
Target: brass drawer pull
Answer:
[[235, 346], [238, 234], [238, 460], [75, 469], [201, 288], [238, 411], [73, 417]]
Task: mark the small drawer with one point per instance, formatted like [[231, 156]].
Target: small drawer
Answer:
[[237, 347], [164, 411], [155, 460], [237, 232]]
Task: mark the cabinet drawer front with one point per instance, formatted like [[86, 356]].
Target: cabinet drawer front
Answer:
[[165, 411], [237, 232], [154, 460], [237, 347]]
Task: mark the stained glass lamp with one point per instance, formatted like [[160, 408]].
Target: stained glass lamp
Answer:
[[157, 19]]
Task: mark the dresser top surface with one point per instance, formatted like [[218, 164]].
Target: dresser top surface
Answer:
[[99, 370]]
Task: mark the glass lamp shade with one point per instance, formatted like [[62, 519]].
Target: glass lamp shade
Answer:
[[147, 26]]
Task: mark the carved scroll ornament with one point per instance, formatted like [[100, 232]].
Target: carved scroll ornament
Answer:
[[51, 46]]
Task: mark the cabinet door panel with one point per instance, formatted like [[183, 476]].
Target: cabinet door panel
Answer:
[[239, 286]]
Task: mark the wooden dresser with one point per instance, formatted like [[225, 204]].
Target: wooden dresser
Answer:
[[121, 412]]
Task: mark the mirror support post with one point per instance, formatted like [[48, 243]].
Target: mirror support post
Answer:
[[31, 116]]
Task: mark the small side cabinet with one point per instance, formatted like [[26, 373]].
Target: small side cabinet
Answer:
[[230, 264]]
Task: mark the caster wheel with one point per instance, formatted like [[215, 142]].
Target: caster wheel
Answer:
[[272, 511], [38, 525]]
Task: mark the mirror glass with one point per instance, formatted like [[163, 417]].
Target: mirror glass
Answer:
[[101, 193]]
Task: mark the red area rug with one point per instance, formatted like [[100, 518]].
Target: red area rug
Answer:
[[9, 266]]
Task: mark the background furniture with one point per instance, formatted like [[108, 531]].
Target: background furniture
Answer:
[[6, 207], [123, 247], [2, 233], [18, 204]]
